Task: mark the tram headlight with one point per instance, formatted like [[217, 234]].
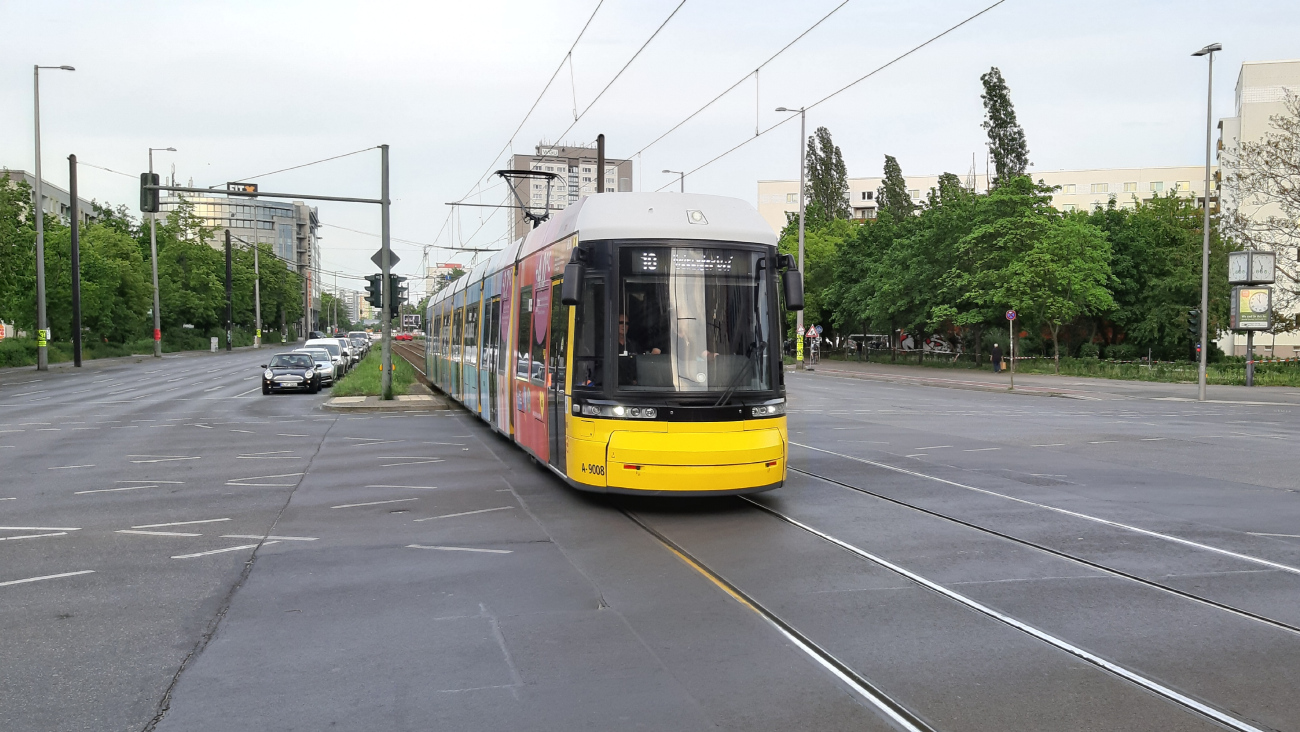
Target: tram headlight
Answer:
[[768, 410], [618, 411]]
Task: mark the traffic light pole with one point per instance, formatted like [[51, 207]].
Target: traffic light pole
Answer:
[[389, 294], [230, 299]]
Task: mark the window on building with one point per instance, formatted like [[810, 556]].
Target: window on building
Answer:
[[1157, 186], [1068, 207], [1068, 188], [1100, 187], [914, 193], [586, 179], [792, 198], [1131, 187], [1184, 186]]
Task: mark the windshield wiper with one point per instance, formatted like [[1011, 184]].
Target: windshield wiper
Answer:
[[736, 380]]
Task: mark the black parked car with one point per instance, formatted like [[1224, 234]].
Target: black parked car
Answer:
[[290, 371]]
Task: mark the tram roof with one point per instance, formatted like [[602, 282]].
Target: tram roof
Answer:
[[636, 216]]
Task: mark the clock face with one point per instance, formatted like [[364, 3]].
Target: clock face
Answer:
[[1259, 302], [1261, 267], [1237, 264]]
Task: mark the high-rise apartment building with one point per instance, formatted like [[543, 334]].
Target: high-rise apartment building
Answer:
[[55, 200], [578, 179]]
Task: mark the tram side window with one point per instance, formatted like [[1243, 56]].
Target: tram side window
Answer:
[[589, 336], [446, 335], [523, 331], [491, 334], [471, 334], [456, 328], [434, 344], [542, 303]]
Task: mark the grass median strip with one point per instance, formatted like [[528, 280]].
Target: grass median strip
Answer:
[[364, 379]]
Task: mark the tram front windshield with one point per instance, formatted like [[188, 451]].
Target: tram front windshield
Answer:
[[693, 319]]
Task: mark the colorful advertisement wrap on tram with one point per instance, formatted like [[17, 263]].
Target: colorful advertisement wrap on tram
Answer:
[[662, 375]]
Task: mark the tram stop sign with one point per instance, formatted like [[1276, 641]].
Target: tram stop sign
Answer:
[[1011, 315]]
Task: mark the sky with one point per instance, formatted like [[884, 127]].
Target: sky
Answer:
[[247, 87]]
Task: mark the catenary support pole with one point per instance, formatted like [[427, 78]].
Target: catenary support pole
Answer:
[[230, 299], [1011, 351], [257, 300], [600, 163], [1205, 243], [803, 169], [387, 296], [74, 218], [153, 258]]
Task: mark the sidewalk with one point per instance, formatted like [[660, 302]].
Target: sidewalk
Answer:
[[1077, 387], [141, 357]]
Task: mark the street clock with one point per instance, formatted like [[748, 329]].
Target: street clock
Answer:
[[1252, 308], [1250, 268]]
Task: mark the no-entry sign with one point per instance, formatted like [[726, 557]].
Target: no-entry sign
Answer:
[[1011, 315]]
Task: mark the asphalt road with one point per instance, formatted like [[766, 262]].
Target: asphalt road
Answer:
[[202, 557]]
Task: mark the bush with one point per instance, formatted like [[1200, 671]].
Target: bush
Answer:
[[1089, 350], [1121, 352]]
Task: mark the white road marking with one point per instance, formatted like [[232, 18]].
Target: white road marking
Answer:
[[180, 523], [1288, 536], [219, 551], [69, 467], [412, 462], [38, 528], [1152, 439], [282, 434], [240, 481], [933, 447], [277, 538], [155, 533], [160, 458], [380, 442], [421, 487], [919, 454], [32, 536], [250, 391], [48, 576], [175, 482], [1101, 442], [1053, 444], [1086, 517], [982, 449], [204, 426], [466, 513], [375, 503], [459, 549], [114, 490], [247, 432]]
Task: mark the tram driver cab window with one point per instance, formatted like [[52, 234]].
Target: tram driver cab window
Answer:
[[589, 336]]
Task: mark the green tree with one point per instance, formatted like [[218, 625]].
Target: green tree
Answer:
[[828, 179], [17, 253], [1059, 276], [334, 311], [892, 195], [1006, 137], [821, 247]]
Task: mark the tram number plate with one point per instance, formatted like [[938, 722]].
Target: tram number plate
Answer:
[[593, 468]]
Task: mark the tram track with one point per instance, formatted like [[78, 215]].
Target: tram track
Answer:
[[872, 693]]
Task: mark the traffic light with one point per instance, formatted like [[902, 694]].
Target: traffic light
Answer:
[[397, 292], [374, 295], [148, 197], [1194, 322]]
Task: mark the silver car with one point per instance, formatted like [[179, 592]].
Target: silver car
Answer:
[[325, 366]]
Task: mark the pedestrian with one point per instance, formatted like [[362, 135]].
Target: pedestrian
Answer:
[[997, 358]]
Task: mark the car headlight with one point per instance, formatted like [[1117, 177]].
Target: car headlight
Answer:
[[269, 374], [616, 411], [308, 375], [768, 410]]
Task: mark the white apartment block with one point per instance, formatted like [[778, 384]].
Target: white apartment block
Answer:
[[1080, 190], [576, 167]]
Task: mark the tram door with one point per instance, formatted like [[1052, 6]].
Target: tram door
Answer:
[[555, 376]]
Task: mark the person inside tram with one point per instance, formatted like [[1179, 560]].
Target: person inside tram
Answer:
[[627, 345]]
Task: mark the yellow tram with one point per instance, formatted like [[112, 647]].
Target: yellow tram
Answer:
[[632, 344]]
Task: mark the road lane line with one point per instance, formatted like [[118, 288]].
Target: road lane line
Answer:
[[421, 487], [48, 576], [412, 462], [466, 513], [240, 481], [220, 551], [69, 467], [154, 533], [1053, 444], [32, 536], [174, 482], [180, 523], [114, 490], [459, 549], [160, 458], [38, 528], [1075, 514], [1288, 536], [982, 449], [375, 503], [276, 538], [933, 447]]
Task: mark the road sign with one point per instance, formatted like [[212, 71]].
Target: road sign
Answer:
[[818, 328], [812, 332], [378, 258], [1011, 315]]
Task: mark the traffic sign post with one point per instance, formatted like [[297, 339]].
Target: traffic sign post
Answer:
[[1011, 347]]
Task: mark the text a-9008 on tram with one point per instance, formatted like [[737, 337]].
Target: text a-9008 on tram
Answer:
[[631, 344]]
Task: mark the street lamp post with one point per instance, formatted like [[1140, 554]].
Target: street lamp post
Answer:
[[803, 148], [153, 257], [42, 327], [681, 179], [1205, 244]]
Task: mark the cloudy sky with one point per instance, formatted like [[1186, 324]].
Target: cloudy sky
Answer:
[[243, 88]]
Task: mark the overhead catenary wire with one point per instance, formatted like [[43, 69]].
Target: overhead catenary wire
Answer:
[[842, 89], [744, 78], [304, 165]]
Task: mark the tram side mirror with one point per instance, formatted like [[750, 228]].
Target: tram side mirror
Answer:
[[792, 287], [571, 288]]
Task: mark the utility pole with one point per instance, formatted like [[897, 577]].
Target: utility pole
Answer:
[[42, 327], [600, 164], [153, 256], [1205, 244], [75, 216], [230, 299], [386, 378], [257, 298]]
